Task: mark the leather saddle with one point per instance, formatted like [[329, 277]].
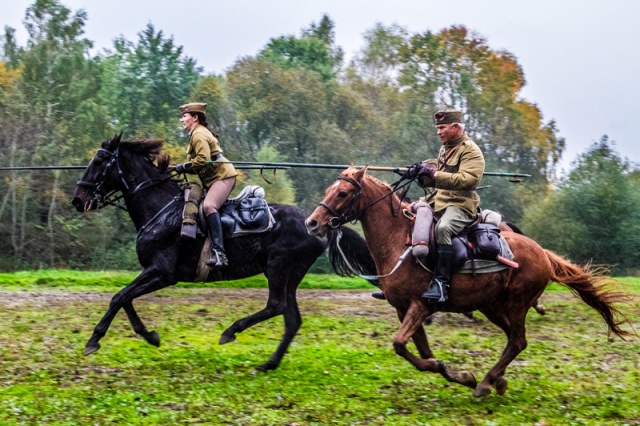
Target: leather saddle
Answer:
[[247, 213], [478, 248]]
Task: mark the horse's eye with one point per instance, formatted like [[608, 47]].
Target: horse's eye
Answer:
[[342, 194]]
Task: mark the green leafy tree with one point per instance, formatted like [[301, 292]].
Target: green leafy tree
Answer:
[[51, 107], [304, 118], [380, 59], [594, 215], [315, 50], [145, 82]]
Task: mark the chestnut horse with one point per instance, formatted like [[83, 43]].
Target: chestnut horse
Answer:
[[503, 297]]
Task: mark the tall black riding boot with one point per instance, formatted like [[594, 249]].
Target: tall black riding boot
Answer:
[[439, 285], [214, 227], [378, 295]]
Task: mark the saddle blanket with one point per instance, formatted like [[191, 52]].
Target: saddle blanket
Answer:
[[483, 266]]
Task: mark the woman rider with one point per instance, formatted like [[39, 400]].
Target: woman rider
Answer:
[[218, 177]]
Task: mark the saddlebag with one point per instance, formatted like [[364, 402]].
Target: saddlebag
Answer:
[[484, 239]]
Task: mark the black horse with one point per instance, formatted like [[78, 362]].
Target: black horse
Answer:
[[138, 171]]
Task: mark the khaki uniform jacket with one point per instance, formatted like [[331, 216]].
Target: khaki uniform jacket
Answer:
[[203, 146], [460, 169]]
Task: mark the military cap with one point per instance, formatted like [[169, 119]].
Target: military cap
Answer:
[[448, 116], [193, 107]]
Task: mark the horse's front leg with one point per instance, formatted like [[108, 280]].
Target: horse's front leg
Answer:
[[412, 328], [282, 301], [147, 282]]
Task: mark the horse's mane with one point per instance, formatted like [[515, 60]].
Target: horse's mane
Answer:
[[377, 182], [151, 149]]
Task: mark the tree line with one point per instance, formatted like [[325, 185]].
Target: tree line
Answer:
[[296, 100]]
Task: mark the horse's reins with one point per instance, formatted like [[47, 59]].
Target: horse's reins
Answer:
[[110, 198], [352, 216], [370, 277], [103, 199], [344, 218]]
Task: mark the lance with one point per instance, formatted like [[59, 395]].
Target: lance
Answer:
[[399, 170], [245, 167], [259, 165]]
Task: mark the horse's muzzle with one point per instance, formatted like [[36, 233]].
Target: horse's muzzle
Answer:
[[82, 201], [313, 228]]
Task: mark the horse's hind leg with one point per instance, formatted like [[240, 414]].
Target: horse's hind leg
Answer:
[[412, 328], [152, 337], [292, 323], [513, 326], [274, 307], [147, 282]]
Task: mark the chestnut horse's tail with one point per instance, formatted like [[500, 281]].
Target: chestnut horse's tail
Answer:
[[594, 288]]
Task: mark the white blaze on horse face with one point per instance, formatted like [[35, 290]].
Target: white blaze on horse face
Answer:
[[335, 185]]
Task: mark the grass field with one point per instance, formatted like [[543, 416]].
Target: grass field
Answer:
[[341, 368]]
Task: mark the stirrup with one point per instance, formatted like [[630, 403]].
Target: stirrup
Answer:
[[437, 292], [218, 260]]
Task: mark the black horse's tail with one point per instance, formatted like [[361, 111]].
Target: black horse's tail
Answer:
[[514, 228], [350, 255]]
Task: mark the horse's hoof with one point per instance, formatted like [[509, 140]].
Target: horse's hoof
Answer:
[[226, 339], [91, 348], [267, 366], [481, 391], [467, 379], [501, 385], [153, 338]]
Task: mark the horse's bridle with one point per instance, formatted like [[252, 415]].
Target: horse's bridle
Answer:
[[349, 214], [103, 198], [352, 215], [100, 196]]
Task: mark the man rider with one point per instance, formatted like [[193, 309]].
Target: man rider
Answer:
[[455, 200]]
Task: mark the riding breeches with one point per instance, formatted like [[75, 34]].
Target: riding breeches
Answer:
[[451, 222], [217, 194]]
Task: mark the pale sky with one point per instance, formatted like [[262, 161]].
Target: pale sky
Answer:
[[581, 58]]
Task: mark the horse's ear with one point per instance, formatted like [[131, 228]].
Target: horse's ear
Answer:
[[115, 142], [360, 173]]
